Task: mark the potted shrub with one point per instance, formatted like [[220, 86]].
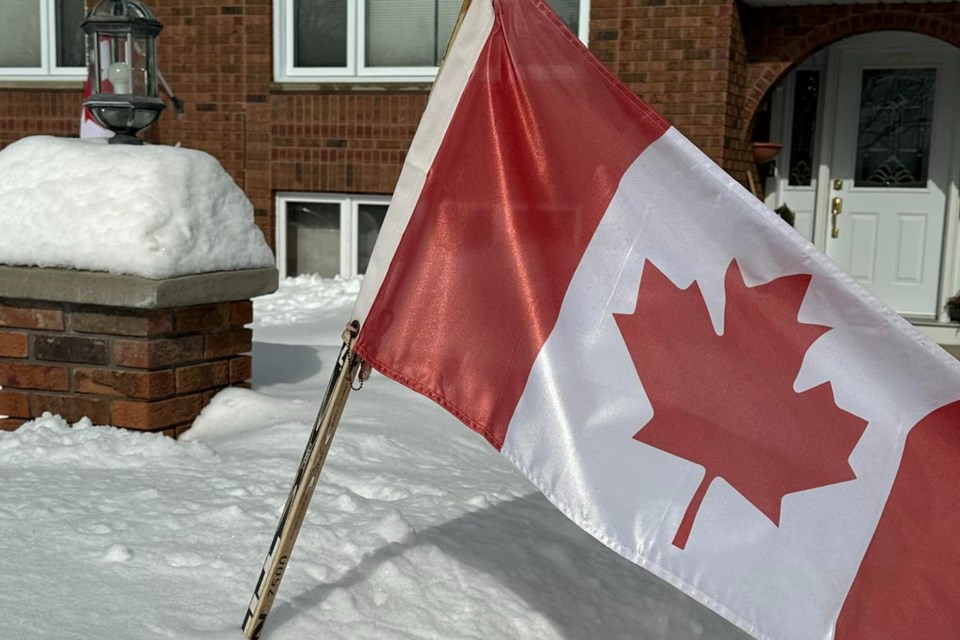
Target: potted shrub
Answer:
[[764, 152], [786, 213], [953, 307]]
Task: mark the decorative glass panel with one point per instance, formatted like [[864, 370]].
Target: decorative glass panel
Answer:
[[320, 33], [20, 33], [805, 102], [70, 37], [893, 140], [370, 220], [313, 238]]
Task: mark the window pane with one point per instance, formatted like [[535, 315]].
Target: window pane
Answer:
[[805, 102], [447, 14], [320, 33], [370, 220], [893, 142], [20, 33], [404, 34], [70, 38], [313, 238], [569, 12]]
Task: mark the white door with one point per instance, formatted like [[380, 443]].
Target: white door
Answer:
[[889, 171]]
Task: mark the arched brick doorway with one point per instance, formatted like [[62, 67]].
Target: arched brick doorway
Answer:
[[872, 159], [779, 38]]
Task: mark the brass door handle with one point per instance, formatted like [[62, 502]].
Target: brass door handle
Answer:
[[836, 209]]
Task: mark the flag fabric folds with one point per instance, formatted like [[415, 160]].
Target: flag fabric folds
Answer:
[[674, 367]]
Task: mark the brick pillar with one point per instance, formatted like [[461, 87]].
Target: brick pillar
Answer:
[[147, 365]]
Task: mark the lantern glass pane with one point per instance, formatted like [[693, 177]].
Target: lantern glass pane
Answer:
[[152, 75], [118, 72], [127, 118], [139, 64], [143, 118], [117, 118]]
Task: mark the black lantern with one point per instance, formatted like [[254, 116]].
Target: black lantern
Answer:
[[122, 56]]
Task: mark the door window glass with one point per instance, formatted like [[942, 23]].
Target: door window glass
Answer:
[[805, 102], [893, 140]]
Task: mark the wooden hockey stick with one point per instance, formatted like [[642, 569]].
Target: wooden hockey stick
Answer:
[[341, 382]]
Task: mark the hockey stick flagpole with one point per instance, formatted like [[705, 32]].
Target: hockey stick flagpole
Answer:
[[341, 382]]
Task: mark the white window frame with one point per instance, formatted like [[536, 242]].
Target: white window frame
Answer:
[[349, 224], [48, 69], [356, 69]]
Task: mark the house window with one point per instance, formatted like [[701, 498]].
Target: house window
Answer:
[[41, 39], [375, 40], [327, 235]]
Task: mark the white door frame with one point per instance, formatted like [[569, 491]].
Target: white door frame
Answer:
[[950, 260]]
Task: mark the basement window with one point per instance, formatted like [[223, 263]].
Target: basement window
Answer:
[[327, 234]]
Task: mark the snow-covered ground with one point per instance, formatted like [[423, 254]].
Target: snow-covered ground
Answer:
[[418, 529]]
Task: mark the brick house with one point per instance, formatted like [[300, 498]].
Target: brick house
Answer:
[[311, 104]]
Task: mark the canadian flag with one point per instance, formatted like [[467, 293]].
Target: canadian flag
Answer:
[[675, 368]]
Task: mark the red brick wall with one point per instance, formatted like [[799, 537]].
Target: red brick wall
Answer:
[[216, 56], [676, 55], [149, 370], [29, 112], [342, 141]]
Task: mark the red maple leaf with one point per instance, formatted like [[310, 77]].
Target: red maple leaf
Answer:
[[726, 402]]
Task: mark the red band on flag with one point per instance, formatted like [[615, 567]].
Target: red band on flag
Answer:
[[910, 568], [537, 147]]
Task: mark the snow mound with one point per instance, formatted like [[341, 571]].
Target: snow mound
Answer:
[[49, 441], [299, 297], [235, 410], [163, 211]]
